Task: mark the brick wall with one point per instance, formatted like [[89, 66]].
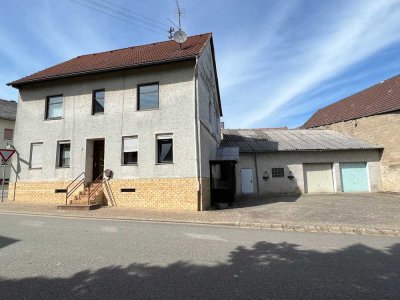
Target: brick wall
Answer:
[[382, 130], [159, 193]]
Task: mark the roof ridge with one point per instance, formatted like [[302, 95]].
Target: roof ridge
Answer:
[[144, 45]]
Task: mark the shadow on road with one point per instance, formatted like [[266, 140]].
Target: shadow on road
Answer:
[[265, 270], [5, 241]]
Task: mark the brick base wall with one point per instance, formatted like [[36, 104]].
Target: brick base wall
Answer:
[[383, 130], [159, 193]]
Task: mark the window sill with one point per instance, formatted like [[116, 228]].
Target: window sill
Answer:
[[148, 109], [39, 168], [98, 114], [127, 165], [164, 163], [53, 119], [63, 167]]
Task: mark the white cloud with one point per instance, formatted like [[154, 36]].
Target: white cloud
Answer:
[[358, 31]]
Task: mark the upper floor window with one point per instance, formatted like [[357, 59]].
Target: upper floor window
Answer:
[[36, 156], [147, 96], [98, 102], [64, 151], [130, 148], [8, 134], [164, 149], [54, 107]]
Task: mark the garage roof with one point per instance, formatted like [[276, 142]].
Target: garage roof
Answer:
[[8, 110], [274, 140]]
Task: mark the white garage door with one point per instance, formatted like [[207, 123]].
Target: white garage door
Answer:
[[318, 178]]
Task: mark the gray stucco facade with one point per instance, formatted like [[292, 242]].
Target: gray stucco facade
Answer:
[[294, 162]]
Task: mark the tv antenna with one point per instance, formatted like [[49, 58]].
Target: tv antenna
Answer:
[[178, 36]]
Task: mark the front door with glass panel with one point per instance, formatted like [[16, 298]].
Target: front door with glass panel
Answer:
[[98, 158]]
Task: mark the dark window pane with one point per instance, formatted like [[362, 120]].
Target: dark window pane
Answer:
[[153, 88], [165, 150], [278, 172], [64, 155], [54, 107], [8, 134], [98, 101], [130, 158], [148, 96]]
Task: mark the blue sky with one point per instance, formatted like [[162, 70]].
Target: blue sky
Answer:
[[278, 61]]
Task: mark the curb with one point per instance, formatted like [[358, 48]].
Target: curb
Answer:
[[248, 225]]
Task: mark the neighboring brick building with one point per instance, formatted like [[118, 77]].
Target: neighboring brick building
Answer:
[[149, 113], [372, 115]]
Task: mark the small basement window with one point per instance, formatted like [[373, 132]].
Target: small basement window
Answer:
[[278, 172], [164, 149], [64, 150], [130, 150]]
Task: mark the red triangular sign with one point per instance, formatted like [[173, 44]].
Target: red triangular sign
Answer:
[[6, 154]]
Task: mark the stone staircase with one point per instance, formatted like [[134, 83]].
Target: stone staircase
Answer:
[[81, 200]]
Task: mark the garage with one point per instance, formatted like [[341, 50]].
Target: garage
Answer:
[[354, 177], [318, 178]]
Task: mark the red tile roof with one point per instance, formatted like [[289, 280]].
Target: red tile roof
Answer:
[[155, 53], [381, 98]]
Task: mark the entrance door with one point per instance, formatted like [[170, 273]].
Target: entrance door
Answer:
[[98, 158], [318, 178], [247, 181], [354, 177]]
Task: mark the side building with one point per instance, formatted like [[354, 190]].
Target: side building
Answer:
[[372, 115], [149, 113], [8, 111]]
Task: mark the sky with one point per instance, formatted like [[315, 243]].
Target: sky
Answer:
[[278, 61]]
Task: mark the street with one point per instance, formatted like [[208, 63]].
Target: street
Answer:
[[52, 257]]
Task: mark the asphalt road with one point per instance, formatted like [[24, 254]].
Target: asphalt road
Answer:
[[64, 258]]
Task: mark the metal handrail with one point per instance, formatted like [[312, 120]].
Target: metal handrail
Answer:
[[67, 194], [91, 193]]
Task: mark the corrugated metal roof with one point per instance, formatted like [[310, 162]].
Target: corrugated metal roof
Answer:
[[260, 140], [8, 110]]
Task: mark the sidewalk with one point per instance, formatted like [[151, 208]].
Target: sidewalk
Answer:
[[238, 217]]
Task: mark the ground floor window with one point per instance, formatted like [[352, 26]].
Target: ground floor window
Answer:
[[278, 172], [130, 147], [64, 151], [36, 155], [164, 149]]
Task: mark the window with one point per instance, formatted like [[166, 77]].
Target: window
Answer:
[[64, 151], [278, 172], [147, 96], [8, 134], [54, 107], [164, 149], [98, 102], [36, 156], [130, 150]]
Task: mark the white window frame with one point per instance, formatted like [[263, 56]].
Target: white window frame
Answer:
[[164, 136], [39, 165], [59, 143], [135, 147]]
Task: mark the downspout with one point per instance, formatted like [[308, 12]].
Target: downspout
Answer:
[[197, 134], [258, 186]]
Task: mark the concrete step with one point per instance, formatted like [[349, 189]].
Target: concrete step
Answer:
[[79, 206]]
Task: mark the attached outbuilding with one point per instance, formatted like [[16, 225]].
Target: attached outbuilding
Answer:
[[302, 161]]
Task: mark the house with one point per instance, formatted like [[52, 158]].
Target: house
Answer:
[[296, 161], [372, 115], [8, 111], [149, 114]]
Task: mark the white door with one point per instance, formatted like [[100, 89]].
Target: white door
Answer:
[[247, 181], [318, 178]]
